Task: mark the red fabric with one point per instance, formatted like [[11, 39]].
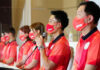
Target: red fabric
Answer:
[[79, 24], [90, 55], [59, 53], [35, 55], [1, 48], [24, 50], [4, 50], [11, 51], [32, 35]]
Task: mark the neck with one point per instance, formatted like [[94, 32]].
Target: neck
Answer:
[[87, 29], [56, 34], [12, 39]]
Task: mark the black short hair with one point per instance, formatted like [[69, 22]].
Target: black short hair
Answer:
[[92, 9], [62, 17], [11, 30]]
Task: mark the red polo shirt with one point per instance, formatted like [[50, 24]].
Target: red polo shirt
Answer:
[[24, 50], [10, 51], [59, 52], [88, 51], [1, 48], [33, 54]]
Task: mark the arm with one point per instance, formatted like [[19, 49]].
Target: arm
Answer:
[[31, 65], [24, 57], [93, 56], [9, 61], [90, 67], [12, 55], [48, 64], [20, 63], [73, 68], [45, 61]]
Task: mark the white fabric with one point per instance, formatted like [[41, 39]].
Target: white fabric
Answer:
[[6, 66], [26, 18]]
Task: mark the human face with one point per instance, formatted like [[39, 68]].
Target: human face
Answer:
[[52, 25], [81, 12], [3, 39], [22, 35], [33, 33], [81, 20], [7, 37]]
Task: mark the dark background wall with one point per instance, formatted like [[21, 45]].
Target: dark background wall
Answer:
[[5, 15]]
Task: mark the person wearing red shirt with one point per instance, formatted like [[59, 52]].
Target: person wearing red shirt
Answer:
[[57, 54], [5, 40], [23, 51], [10, 50], [2, 44], [87, 56], [33, 62]]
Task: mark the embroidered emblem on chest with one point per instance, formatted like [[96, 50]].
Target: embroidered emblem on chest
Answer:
[[86, 45], [51, 46]]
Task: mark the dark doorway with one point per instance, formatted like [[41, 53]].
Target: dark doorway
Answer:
[[5, 15]]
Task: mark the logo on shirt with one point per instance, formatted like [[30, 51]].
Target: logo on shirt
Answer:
[[78, 25], [51, 46], [87, 45]]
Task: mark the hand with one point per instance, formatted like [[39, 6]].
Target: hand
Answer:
[[18, 64], [22, 67], [39, 41], [27, 68]]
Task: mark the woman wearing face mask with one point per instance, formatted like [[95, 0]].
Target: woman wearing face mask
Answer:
[[33, 62], [22, 56]]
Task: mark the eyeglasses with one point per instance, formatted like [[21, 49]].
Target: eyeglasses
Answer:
[[52, 20]]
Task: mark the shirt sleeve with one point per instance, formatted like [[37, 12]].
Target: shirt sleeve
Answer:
[[57, 54], [74, 65], [93, 56], [13, 51]]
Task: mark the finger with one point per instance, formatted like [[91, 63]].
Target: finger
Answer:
[[41, 37]]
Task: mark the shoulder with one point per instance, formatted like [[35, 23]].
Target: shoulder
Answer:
[[29, 43], [14, 43], [96, 38], [62, 42]]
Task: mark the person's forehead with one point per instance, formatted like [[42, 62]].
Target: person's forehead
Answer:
[[6, 33], [81, 8], [81, 11], [21, 32], [52, 17]]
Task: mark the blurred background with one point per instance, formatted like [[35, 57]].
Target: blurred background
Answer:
[[17, 13]]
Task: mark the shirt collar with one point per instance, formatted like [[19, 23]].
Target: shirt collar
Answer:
[[58, 37], [89, 34]]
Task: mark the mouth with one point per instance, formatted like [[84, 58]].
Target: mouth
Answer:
[[78, 26], [32, 36], [49, 29]]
